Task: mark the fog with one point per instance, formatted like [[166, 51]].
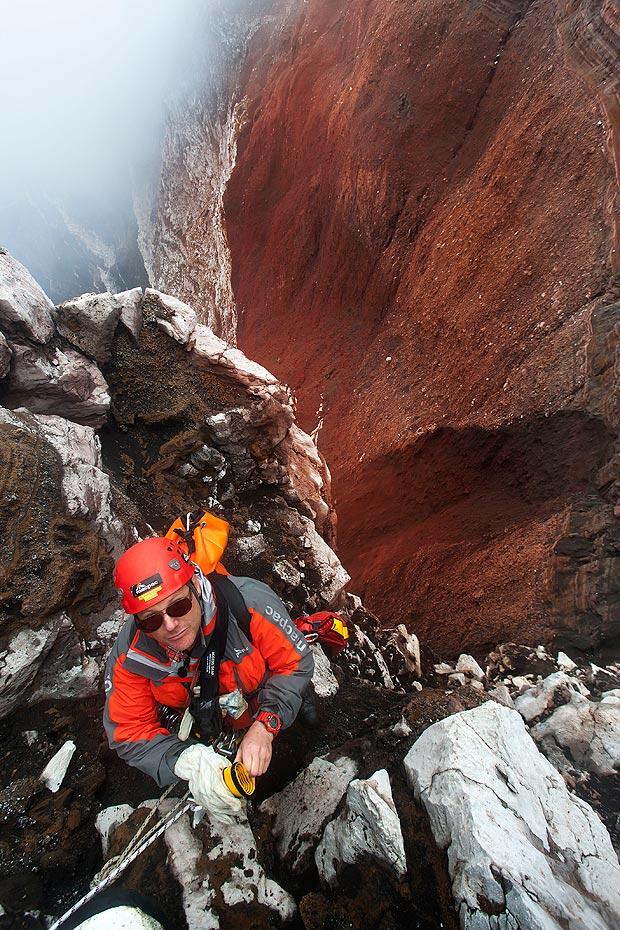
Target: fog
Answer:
[[82, 85], [83, 89]]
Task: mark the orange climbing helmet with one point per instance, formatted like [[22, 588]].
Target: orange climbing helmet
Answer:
[[150, 571]]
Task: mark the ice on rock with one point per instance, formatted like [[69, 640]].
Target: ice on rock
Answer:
[[367, 827], [54, 772], [522, 851], [233, 849]]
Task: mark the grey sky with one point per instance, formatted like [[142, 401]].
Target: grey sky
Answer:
[[82, 83]]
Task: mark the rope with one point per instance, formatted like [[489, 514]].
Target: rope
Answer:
[[114, 867]]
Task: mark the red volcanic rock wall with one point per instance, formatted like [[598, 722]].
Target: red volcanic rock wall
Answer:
[[420, 222]]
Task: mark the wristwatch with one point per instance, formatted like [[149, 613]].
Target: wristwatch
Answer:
[[270, 721]]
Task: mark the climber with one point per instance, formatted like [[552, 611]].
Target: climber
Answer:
[[182, 636]]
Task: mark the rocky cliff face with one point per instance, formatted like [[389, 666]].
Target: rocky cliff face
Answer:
[[421, 224], [117, 409]]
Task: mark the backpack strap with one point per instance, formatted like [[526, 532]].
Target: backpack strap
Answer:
[[231, 595], [191, 520]]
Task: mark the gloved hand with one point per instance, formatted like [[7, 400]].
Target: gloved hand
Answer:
[[202, 767]]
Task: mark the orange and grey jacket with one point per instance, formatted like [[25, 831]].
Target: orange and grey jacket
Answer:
[[276, 666]]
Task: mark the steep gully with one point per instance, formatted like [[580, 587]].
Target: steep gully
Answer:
[[422, 227]]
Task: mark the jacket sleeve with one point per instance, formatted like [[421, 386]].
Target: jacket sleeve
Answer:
[[131, 723], [286, 653]]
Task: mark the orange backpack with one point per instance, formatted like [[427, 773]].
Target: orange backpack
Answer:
[[203, 536]]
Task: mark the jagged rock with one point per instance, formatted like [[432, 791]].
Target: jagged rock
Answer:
[[442, 668], [611, 697], [518, 660], [408, 645], [250, 547], [502, 694], [468, 665], [535, 701], [242, 882], [364, 653], [368, 827], [287, 572], [54, 772], [402, 728], [131, 309], [25, 310], [302, 809], [88, 323], [108, 819], [174, 317], [333, 576], [323, 679], [67, 673], [5, 356], [57, 381], [565, 663], [522, 851], [86, 486], [21, 660], [590, 731], [521, 683], [458, 679]]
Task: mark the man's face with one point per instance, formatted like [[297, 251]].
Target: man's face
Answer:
[[176, 633]]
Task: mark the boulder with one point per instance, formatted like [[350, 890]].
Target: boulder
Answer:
[[175, 318], [107, 820], [368, 827], [57, 381], [408, 645], [131, 309], [5, 356], [54, 772], [535, 701], [25, 310], [323, 679], [589, 731], [21, 659], [522, 851], [468, 666], [302, 809], [86, 488], [89, 322], [67, 672]]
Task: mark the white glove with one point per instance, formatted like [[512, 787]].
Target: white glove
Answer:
[[202, 767]]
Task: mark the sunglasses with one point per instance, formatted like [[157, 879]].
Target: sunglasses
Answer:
[[177, 609]]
